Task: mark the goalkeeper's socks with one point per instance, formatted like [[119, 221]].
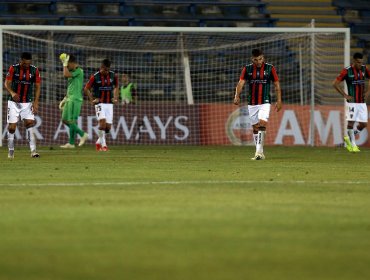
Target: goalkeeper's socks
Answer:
[[10, 141], [79, 131], [72, 133], [31, 139]]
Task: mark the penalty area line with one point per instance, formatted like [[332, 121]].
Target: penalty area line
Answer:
[[206, 182]]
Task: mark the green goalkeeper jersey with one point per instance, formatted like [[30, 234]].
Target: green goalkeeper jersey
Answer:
[[75, 84]]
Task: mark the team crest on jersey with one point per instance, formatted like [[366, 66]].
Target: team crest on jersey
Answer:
[[239, 128]]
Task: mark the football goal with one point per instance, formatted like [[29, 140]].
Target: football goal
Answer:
[[185, 80]]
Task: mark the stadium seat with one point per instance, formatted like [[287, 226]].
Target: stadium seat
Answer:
[[136, 13]]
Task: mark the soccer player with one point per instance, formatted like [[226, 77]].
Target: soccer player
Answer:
[[128, 91], [72, 102], [23, 84], [259, 75], [356, 109], [104, 85]]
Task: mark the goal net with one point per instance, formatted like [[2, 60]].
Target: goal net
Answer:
[[185, 80]]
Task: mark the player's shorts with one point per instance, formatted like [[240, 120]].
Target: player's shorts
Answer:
[[259, 112], [104, 111], [356, 112], [19, 110], [71, 110]]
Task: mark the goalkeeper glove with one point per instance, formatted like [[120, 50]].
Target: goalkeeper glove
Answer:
[[64, 58], [62, 103]]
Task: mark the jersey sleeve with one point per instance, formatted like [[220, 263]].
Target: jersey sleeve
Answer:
[[90, 83], [342, 75], [274, 75], [9, 75], [242, 75]]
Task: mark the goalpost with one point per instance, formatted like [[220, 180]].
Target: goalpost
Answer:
[[186, 80]]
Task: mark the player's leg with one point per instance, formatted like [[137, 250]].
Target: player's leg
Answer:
[[29, 124], [253, 116], [350, 118], [261, 138], [67, 118], [28, 118], [101, 135], [361, 117], [108, 108], [100, 116], [75, 114], [11, 131], [263, 116], [12, 119]]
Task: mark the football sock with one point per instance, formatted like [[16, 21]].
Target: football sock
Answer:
[[101, 139], [255, 138], [351, 136], [10, 141], [260, 141], [72, 133], [31, 139]]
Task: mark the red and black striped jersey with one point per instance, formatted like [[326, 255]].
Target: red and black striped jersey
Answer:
[[259, 79], [103, 86], [23, 81], [355, 80]]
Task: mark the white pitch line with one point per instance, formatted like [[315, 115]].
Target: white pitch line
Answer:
[[230, 182]]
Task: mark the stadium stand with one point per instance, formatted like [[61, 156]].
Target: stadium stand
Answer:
[[356, 15], [137, 13], [296, 13], [201, 13]]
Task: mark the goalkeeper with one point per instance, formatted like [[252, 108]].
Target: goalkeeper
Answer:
[[72, 102]]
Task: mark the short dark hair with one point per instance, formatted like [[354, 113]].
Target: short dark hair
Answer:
[[72, 58], [106, 62], [256, 52], [26, 55], [358, 56]]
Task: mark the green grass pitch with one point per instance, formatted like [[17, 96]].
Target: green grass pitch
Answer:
[[200, 213]]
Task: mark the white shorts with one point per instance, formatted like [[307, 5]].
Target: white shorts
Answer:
[[104, 111], [259, 112], [22, 110], [356, 112]]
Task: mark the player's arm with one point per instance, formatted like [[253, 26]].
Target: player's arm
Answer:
[[278, 96], [66, 72], [238, 91], [277, 87], [87, 91], [116, 90], [64, 58], [367, 93], [8, 85], [35, 105], [338, 88]]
